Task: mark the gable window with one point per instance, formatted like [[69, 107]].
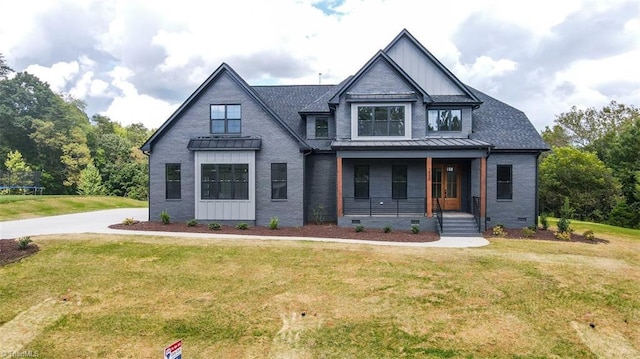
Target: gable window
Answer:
[[224, 181], [399, 181], [278, 181], [361, 181], [444, 120], [172, 180], [225, 119], [504, 174], [322, 127], [390, 121]]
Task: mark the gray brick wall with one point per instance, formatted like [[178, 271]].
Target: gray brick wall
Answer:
[[321, 186]]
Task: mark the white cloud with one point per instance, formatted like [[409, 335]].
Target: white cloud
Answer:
[[57, 76]]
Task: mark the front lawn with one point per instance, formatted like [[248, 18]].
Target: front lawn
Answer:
[[100, 296]]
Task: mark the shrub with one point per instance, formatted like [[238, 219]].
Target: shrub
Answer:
[[415, 228], [164, 217], [273, 222], [192, 223], [359, 228], [563, 236], [528, 232], [242, 226], [564, 225], [129, 221], [387, 228], [544, 221], [23, 242], [318, 214], [589, 235], [498, 230], [214, 226]]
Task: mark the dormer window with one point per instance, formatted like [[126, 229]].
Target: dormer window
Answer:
[[225, 119], [322, 127], [444, 120], [391, 121]]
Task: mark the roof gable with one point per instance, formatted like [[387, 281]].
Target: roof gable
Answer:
[[425, 69], [222, 69]]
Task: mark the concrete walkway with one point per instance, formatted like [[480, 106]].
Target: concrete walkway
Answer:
[[99, 222]]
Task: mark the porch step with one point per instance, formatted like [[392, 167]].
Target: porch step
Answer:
[[459, 226]]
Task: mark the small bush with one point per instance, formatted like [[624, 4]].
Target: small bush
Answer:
[[387, 228], [563, 236], [415, 228], [564, 225], [359, 228], [544, 221], [589, 235], [273, 222], [498, 230], [318, 214], [214, 226], [164, 217], [23, 242], [528, 232], [242, 226], [129, 221], [192, 223]]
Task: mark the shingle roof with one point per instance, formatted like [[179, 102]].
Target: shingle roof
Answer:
[[506, 127], [224, 144]]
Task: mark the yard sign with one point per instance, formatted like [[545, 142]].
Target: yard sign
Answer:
[[173, 351]]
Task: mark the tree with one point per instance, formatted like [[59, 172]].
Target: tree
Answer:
[[19, 172], [4, 68], [90, 182], [556, 136], [582, 178]]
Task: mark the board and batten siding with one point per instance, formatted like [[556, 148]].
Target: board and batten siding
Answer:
[[225, 209]]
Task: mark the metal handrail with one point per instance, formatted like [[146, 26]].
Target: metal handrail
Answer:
[[383, 206], [439, 214], [476, 211]]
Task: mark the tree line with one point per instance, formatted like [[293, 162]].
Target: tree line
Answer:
[[594, 164], [44, 131]]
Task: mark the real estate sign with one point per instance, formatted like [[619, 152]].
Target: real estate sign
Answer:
[[173, 351]]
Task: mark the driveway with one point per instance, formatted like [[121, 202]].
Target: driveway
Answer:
[[99, 222]]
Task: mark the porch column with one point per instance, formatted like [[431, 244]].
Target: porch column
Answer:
[[428, 200], [339, 186], [483, 187]]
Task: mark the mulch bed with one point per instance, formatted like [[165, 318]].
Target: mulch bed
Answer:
[[544, 235], [9, 251]]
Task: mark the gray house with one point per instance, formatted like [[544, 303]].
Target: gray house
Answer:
[[402, 142]]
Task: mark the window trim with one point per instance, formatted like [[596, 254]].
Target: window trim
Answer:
[[503, 183], [444, 131], [216, 181], [324, 119], [168, 181], [407, 120], [226, 119], [275, 180]]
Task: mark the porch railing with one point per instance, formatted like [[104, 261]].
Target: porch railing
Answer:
[[439, 214], [476, 211], [383, 206]]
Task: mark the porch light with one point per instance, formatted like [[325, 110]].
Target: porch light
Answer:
[[381, 203]]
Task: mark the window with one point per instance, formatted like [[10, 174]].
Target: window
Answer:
[[381, 120], [224, 181], [225, 119], [445, 120], [505, 182], [399, 181], [278, 181], [322, 127], [361, 181], [172, 174]]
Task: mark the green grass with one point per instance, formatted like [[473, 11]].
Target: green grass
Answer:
[[604, 231], [21, 207], [130, 296]]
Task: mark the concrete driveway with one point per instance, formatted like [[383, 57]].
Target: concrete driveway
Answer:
[[99, 222]]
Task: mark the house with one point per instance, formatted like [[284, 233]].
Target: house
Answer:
[[402, 142]]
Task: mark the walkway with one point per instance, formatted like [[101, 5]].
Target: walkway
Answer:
[[99, 222]]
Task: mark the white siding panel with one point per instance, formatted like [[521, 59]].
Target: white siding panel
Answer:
[[422, 70], [242, 210]]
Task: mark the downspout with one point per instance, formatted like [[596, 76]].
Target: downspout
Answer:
[[305, 152], [148, 154], [537, 205], [485, 189]]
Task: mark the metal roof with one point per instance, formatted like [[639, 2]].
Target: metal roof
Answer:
[[427, 143], [224, 144]]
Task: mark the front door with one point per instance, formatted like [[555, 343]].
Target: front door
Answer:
[[445, 182]]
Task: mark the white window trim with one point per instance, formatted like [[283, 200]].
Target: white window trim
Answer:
[[354, 121]]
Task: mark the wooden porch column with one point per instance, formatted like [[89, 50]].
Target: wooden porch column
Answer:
[[339, 186], [428, 200], [483, 187]]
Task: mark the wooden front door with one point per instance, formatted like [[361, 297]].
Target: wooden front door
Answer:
[[445, 182]]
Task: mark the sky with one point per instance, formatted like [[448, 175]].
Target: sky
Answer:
[[137, 61]]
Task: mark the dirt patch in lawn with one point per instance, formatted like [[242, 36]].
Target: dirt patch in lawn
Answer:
[[10, 252], [545, 235]]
